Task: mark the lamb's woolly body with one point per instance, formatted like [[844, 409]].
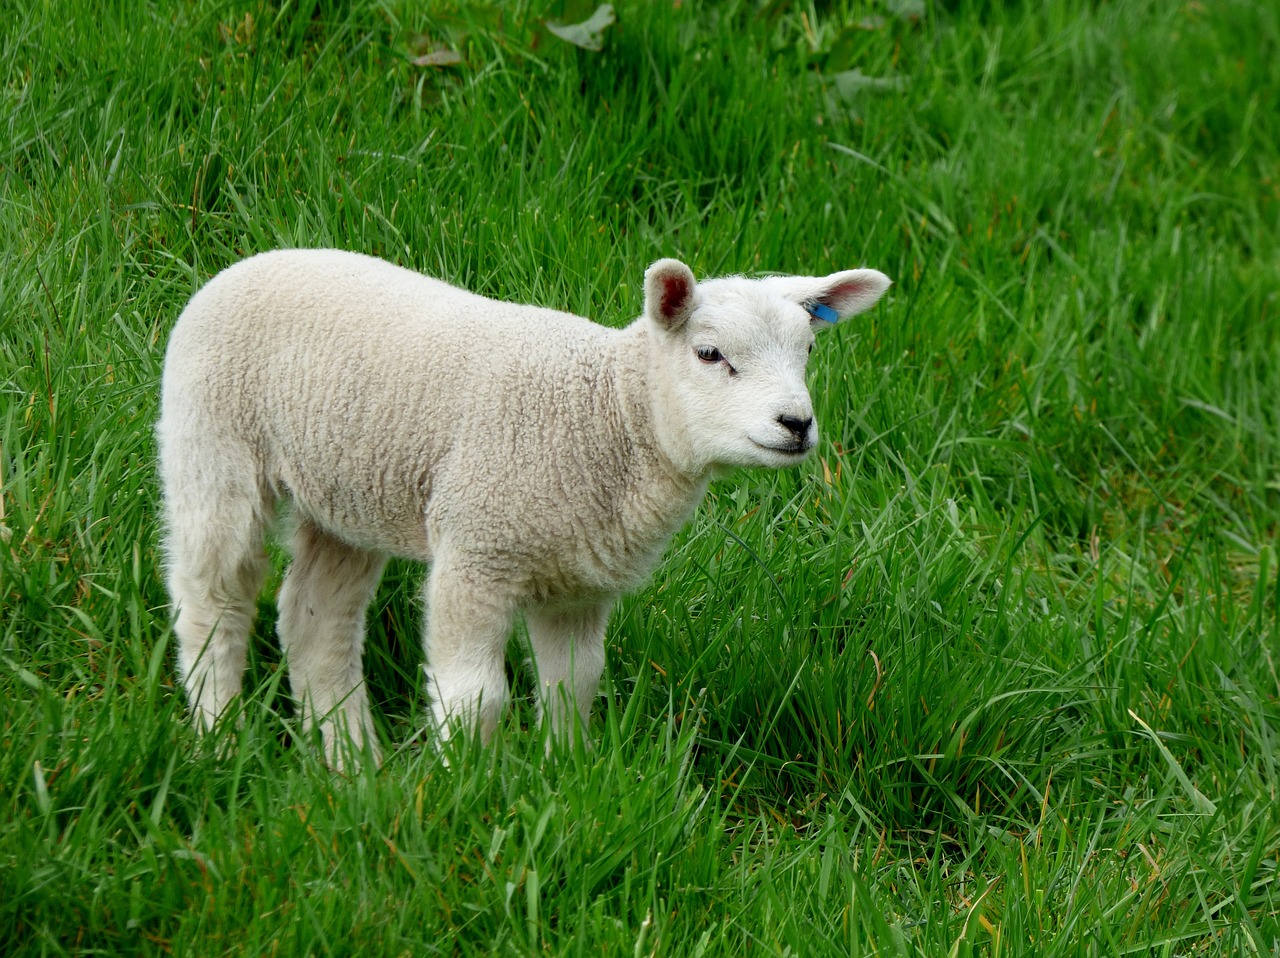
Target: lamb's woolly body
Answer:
[[538, 461], [400, 413]]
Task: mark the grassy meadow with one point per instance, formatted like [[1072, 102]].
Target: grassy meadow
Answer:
[[993, 673]]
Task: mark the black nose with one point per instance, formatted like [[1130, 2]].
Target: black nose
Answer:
[[797, 427]]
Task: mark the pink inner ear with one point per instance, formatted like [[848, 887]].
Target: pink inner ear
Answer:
[[675, 292], [845, 294]]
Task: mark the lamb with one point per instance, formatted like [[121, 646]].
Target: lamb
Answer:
[[537, 461]]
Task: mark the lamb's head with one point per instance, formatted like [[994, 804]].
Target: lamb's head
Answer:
[[729, 358]]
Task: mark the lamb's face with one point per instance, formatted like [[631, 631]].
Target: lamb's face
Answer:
[[738, 374], [732, 354]]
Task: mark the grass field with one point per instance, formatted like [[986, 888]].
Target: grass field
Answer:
[[994, 673]]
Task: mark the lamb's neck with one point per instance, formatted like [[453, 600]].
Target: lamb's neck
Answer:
[[659, 458]]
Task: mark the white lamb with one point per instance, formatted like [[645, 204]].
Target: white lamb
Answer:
[[538, 461]]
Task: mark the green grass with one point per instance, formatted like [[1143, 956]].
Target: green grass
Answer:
[[994, 674]]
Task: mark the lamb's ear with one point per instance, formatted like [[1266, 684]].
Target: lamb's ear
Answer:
[[669, 289], [832, 298]]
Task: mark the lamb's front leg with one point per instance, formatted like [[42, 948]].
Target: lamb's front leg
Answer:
[[468, 623], [568, 652]]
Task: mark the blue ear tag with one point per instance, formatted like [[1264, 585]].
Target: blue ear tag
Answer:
[[824, 313]]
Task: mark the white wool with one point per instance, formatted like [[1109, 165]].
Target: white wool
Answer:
[[539, 462]]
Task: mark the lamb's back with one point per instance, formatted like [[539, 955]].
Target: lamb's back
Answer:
[[364, 386]]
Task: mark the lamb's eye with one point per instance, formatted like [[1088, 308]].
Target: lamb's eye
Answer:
[[709, 354]]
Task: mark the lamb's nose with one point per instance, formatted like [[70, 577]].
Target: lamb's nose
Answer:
[[797, 427]]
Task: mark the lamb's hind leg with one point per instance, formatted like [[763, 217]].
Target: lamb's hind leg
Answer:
[[322, 617], [215, 525], [568, 651]]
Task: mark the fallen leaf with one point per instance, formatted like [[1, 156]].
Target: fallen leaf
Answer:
[[849, 83], [907, 9], [589, 34], [442, 57]]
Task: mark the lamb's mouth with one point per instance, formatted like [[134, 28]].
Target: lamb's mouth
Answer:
[[792, 449]]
